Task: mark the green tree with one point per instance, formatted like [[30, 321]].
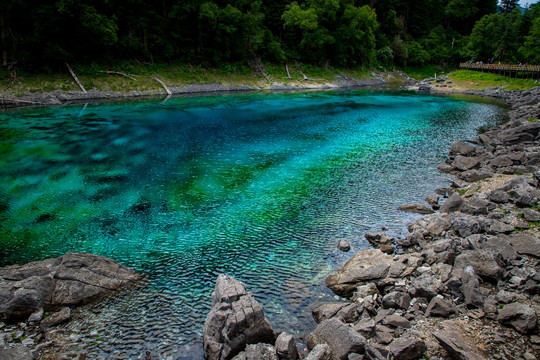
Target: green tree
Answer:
[[531, 48], [509, 5]]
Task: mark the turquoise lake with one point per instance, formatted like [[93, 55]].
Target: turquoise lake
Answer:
[[258, 186]]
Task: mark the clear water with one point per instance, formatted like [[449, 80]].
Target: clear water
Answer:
[[258, 186]]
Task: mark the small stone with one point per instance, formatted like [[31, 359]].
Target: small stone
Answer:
[[319, 352], [366, 328], [407, 349], [36, 316], [476, 314], [416, 209], [396, 321], [343, 245], [56, 318]]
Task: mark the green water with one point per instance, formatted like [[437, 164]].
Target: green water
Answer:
[[258, 186]]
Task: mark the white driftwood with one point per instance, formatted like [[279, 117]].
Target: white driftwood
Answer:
[[163, 84], [288, 73], [120, 73], [76, 78]]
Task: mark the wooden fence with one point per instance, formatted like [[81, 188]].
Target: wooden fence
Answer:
[[527, 71]]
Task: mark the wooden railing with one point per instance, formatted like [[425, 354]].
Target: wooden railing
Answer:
[[501, 67]]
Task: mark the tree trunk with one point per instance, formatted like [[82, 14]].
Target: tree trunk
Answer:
[[75, 78]]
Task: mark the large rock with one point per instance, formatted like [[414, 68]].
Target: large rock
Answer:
[[416, 208], [320, 352], [426, 286], [440, 308], [452, 341], [407, 349], [470, 286], [258, 352], [525, 244], [461, 148], [72, 279], [364, 266], [236, 319], [341, 339], [522, 317], [453, 204], [464, 163], [286, 347], [485, 263]]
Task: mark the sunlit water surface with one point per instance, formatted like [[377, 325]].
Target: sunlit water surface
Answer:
[[257, 186]]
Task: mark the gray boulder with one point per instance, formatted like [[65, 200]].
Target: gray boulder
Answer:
[[396, 300], [341, 339], [531, 215], [19, 352], [364, 266], [439, 308], [485, 263], [425, 286], [522, 317], [499, 196], [470, 286], [320, 352], [407, 349], [396, 321], [461, 148], [258, 352], [475, 175], [452, 341], [72, 279], [326, 311], [416, 209], [56, 318], [286, 347], [453, 204], [464, 163], [525, 244], [236, 319]]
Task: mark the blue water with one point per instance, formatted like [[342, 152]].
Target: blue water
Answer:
[[258, 186]]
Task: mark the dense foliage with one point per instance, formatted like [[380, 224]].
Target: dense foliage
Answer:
[[46, 33]]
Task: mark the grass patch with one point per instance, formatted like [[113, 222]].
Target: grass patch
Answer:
[[469, 78], [428, 71], [105, 77]]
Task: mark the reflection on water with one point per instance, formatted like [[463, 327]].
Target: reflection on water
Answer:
[[256, 186]]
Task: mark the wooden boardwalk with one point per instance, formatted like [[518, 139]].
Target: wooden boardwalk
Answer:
[[527, 71]]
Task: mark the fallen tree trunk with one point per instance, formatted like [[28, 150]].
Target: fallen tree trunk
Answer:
[[162, 84], [76, 78], [120, 73]]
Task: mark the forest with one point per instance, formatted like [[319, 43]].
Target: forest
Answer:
[[39, 35]]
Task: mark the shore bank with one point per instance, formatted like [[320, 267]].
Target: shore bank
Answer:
[[340, 81], [465, 282]]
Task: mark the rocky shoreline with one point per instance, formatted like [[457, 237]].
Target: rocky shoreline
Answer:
[[464, 284], [37, 296]]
